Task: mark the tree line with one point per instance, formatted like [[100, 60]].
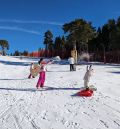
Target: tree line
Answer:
[[19, 53], [103, 42]]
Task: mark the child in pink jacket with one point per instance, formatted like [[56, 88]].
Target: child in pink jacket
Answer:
[[42, 73]]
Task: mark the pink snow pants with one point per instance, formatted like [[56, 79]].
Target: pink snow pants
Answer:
[[41, 79]]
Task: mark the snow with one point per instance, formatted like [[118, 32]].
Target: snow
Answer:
[[55, 106]]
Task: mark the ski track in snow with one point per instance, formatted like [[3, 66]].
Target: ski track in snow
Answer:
[[54, 107]]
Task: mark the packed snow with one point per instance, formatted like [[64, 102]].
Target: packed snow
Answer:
[[56, 106]]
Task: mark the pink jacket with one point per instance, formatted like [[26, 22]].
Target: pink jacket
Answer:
[[43, 65]]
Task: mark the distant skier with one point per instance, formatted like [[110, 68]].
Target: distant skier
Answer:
[[72, 62], [42, 74]]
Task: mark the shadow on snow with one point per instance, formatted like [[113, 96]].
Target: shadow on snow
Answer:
[[41, 89], [15, 63], [115, 72], [14, 79]]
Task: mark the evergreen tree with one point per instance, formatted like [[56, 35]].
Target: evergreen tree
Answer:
[[25, 53], [79, 33], [48, 40], [4, 45], [17, 53]]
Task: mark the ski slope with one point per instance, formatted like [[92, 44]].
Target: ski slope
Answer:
[[56, 106]]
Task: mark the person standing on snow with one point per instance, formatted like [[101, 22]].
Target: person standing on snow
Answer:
[[42, 74], [87, 76], [31, 67], [71, 62]]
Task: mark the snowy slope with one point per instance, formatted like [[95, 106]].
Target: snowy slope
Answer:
[[55, 106]]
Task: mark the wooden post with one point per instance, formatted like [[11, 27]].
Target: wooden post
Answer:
[[74, 55]]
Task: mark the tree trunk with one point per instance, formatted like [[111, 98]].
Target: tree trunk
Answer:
[[3, 51], [104, 55]]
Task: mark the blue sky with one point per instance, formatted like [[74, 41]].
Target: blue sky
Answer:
[[24, 22]]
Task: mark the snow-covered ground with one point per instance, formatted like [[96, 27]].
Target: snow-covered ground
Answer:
[[55, 106]]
